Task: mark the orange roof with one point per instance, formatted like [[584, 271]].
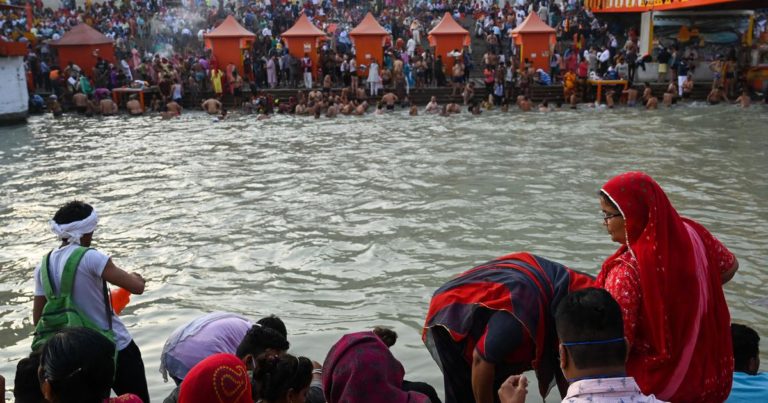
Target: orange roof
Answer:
[[11, 49], [533, 25], [303, 27], [368, 26], [448, 26], [230, 28], [82, 34]]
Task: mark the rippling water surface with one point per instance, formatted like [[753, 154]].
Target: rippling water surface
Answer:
[[340, 225]]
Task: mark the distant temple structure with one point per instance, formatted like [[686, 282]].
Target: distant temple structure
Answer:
[[708, 29]]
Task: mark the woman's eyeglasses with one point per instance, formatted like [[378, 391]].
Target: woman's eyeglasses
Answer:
[[607, 216]]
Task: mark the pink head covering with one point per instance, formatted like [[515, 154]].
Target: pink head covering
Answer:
[[360, 368]]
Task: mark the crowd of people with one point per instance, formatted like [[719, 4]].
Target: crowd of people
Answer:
[[162, 48], [623, 336]]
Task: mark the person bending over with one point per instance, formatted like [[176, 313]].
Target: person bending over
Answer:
[[593, 352], [494, 321]]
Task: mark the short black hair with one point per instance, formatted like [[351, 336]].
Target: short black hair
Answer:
[[260, 338], [275, 323], [746, 345], [75, 210], [590, 315], [26, 386]]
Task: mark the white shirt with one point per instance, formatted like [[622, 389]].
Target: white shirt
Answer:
[[373, 73], [607, 390], [411, 46], [604, 56], [87, 290]]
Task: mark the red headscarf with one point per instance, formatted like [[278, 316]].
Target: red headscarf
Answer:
[[684, 317], [220, 378]]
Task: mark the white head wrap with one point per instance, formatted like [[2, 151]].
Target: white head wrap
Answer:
[[75, 230]]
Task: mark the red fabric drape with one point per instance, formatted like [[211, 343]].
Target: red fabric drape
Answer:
[[676, 288]]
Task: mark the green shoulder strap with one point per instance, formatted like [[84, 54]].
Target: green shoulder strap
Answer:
[[70, 269], [67, 276], [46, 276]]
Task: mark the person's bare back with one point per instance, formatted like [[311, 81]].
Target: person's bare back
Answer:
[[107, 107], [174, 108], [80, 100], [134, 107], [631, 96], [212, 106], [389, 99], [360, 110]]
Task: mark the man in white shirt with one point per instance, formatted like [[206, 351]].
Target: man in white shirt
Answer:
[[593, 351], [74, 224], [410, 46], [604, 58]]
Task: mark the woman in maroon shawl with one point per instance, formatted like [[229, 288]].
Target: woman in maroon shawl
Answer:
[[361, 369], [496, 320], [667, 276]]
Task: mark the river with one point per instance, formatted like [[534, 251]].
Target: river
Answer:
[[340, 225]]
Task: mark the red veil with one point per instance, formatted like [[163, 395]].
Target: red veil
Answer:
[[683, 318]]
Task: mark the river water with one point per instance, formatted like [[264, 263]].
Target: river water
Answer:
[[340, 225]]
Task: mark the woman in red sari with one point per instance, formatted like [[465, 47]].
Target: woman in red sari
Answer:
[[667, 277]]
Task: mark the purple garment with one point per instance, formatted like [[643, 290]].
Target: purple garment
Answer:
[[218, 332], [360, 368], [204, 63], [101, 93], [113, 78]]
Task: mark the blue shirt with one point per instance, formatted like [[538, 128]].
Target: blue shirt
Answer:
[[749, 388], [544, 78]]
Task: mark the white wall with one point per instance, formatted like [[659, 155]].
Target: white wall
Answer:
[[13, 86]]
